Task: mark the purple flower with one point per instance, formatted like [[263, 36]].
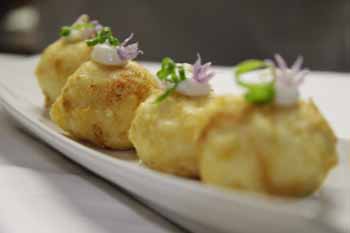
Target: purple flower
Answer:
[[293, 76], [201, 72], [128, 52]]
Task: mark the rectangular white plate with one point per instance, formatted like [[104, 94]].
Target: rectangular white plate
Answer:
[[326, 211]]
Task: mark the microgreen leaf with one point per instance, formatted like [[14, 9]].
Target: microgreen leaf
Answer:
[[82, 26], [102, 36], [165, 94], [91, 42], [65, 31], [170, 73], [182, 74], [256, 92], [113, 41]]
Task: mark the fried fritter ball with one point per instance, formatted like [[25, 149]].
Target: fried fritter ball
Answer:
[[98, 102], [165, 134], [57, 63], [285, 151]]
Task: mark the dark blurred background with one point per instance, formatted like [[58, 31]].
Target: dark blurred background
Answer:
[[224, 31]]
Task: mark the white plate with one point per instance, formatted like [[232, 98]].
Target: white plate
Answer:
[[218, 209]]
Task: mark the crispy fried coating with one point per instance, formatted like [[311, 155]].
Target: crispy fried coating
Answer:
[[98, 102], [57, 63], [267, 149], [165, 134]]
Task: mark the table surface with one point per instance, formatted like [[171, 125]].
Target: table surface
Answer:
[[42, 191]]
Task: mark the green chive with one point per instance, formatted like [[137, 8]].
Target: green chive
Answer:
[[83, 26], [91, 42], [165, 94], [113, 41], [256, 93], [182, 73], [65, 31], [171, 73], [104, 35], [261, 94]]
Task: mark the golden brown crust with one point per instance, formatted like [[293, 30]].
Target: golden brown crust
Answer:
[[267, 138], [56, 64], [98, 102], [165, 134]]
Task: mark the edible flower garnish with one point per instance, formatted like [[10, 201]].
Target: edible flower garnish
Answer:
[[81, 29], [283, 87], [109, 51], [288, 80], [191, 80], [201, 72], [128, 52]]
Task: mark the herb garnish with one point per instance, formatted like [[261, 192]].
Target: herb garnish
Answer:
[[66, 30], [259, 93], [170, 73], [102, 36]]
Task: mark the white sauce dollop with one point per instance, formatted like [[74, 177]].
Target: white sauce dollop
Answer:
[[107, 55], [286, 88], [286, 95], [191, 87]]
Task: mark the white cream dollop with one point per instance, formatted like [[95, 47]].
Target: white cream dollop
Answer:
[[286, 95], [107, 55], [286, 88], [191, 87]]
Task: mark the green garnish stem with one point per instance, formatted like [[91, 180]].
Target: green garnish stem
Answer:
[[171, 73], [102, 36], [256, 93]]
